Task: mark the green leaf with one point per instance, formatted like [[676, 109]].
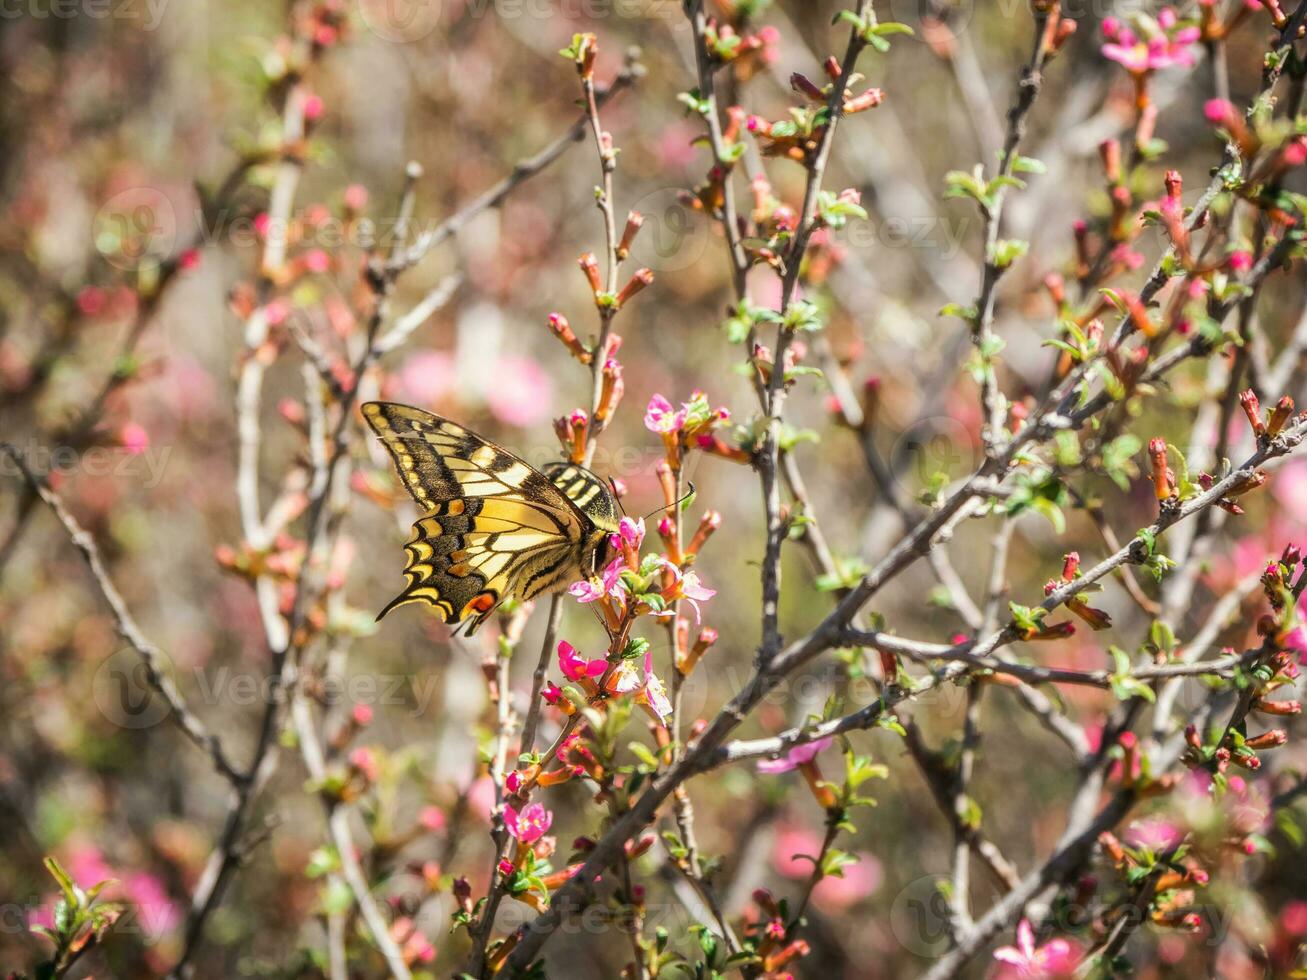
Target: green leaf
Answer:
[[1008, 250]]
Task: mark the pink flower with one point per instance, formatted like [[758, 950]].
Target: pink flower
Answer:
[[432, 818], [654, 696], [313, 107], [1241, 260], [92, 300], [792, 841], [795, 757], [574, 666], [610, 584], [1293, 918], [1154, 833], [686, 585], [425, 377], [1295, 641], [629, 534], [1056, 958], [155, 910], [416, 948], [521, 393], [1218, 112], [1290, 490], [552, 693], [365, 762], [529, 825], [856, 882], [625, 678], [481, 797], [356, 197], [134, 438], [316, 260], [276, 312], [1162, 45], [661, 417]]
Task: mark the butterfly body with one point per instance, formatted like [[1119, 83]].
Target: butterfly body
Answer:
[[494, 527]]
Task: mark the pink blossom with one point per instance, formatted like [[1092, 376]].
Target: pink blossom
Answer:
[[625, 678], [134, 438], [416, 947], [1295, 641], [552, 693], [629, 533], [1293, 917], [155, 910], [317, 260], [365, 762], [356, 197], [1290, 490], [1241, 260], [795, 757], [91, 300], [362, 714], [1154, 833], [425, 377], [832, 893], [793, 840], [660, 417], [521, 393], [654, 695], [481, 797], [1162, 45], [853, 884], [686, 585], [276, 312], [432, 818], [530, 824], [1056, 958], [313, 107], [574, 666], [1218, 112], [594, 588]]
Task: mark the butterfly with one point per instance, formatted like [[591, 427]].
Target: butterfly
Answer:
[[494, 526]]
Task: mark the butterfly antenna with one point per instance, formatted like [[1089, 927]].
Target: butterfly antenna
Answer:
[[675, 503], [612, 484]]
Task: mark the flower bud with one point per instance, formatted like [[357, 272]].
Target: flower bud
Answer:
[[633, 222], [1280, 415], [590, 266], [642, 278], [1253, 409]]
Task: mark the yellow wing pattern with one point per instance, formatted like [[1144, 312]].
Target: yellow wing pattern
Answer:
[[495, 527]]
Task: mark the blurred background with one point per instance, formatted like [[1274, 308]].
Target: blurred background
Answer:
[[122, 390]]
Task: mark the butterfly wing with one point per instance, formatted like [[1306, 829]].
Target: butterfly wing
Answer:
[[588, 491], [494, 525]]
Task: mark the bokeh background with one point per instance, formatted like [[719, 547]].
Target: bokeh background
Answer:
[[105, 108]]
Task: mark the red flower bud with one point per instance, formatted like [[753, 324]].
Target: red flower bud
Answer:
[[590, 266], [1281, 414], [637, 282], [1253, 409], [633, 222]]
